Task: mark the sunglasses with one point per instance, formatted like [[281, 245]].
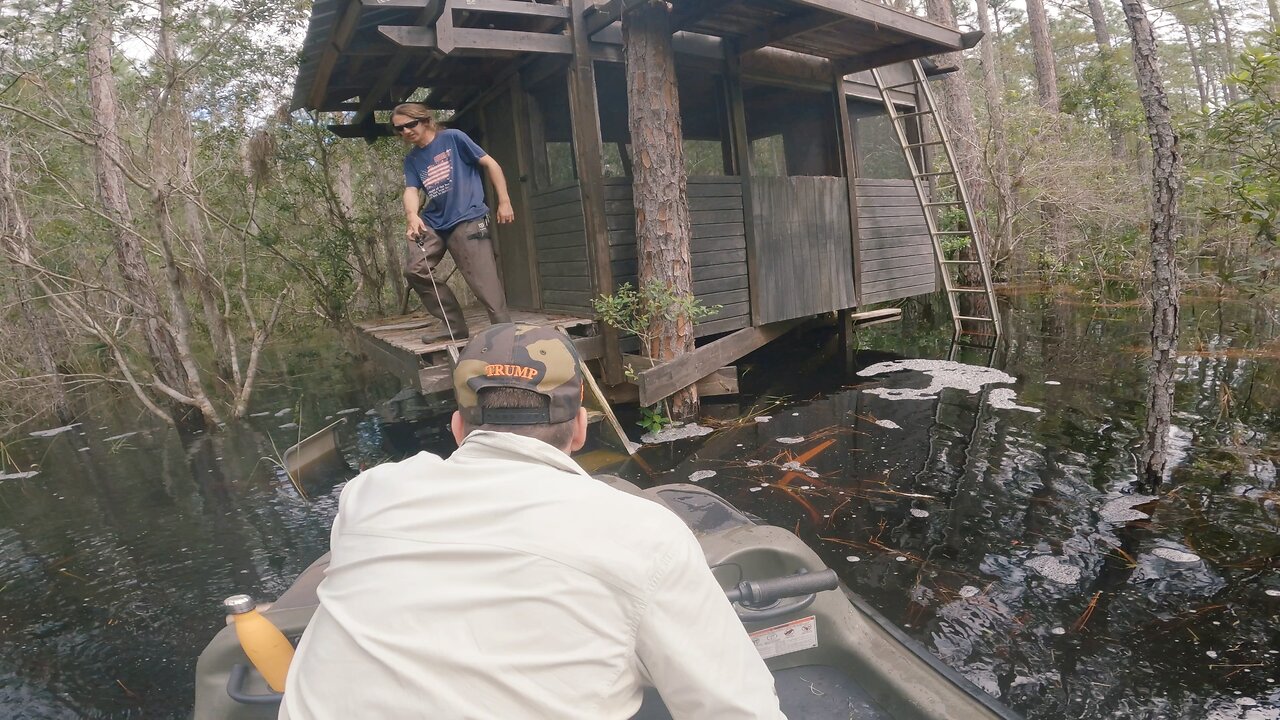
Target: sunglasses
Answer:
[[407, 126]]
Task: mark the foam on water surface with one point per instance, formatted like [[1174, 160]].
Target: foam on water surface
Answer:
[[1052, 568]]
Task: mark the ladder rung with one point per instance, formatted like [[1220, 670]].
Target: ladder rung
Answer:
[[913, 114], [946, 202], [954, 232], [961, 262], [901, 85], [975, 319], [936, 174], [923, 144], [969, 290]]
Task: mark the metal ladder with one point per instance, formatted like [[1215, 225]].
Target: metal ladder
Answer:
[[980, 321]]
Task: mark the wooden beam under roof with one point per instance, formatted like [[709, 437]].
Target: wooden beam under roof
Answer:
[[687, 16], [344, 27], [885, 16], [431, 9], [880, 58], [801, 22]]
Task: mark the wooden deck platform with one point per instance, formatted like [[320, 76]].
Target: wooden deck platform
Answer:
[[396, 343]]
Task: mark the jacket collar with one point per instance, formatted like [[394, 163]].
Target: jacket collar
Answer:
[[485, 444]]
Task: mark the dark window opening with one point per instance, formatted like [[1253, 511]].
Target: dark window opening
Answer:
[[703, 121], [876, 145], [552, 134], [792, 132]]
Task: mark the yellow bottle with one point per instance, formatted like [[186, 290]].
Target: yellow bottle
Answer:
[[268, 649]]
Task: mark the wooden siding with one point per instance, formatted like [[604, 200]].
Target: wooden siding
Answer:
[[804, 252], [897, 256], [560, 242], [718, 246]]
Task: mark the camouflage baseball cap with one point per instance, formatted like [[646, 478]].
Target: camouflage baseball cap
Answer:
[[541, 359]]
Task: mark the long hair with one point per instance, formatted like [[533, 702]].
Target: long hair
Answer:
[[417, 111]]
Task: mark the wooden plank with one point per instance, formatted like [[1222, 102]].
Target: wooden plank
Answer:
[[727, 298], [564, 269], [503, 7], [568, 253], [890, 201], [569, 224], [566, 300], [899, 293], [873, 223], [576, 240], [893, 232], [734, 229], [400, 363], [897, 272], [558, 196], [904, 210], [622, 246], [721, 284], [717, 202], [923, 250], [462, 42], [898, 288], [571, 208], [567, 283], [721, 325], [661, 381]]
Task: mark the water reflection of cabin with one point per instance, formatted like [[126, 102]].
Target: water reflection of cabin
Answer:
[[778, 230]]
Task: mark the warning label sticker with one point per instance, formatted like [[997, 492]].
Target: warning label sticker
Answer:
[[789, 637]]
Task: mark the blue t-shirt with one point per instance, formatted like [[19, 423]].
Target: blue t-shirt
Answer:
[[448, 171]]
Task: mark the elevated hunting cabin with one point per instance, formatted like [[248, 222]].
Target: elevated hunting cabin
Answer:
[[805, 168]]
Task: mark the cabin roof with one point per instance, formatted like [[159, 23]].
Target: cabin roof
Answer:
[[367, 55]]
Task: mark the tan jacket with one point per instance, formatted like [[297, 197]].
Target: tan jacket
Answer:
[[506, 583]]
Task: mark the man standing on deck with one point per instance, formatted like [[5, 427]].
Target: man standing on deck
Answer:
[[506, 582], [444, 165]]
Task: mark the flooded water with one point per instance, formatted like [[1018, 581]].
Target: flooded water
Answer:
[[991, 511]]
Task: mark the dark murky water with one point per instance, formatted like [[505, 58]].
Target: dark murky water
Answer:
[[995, 535]]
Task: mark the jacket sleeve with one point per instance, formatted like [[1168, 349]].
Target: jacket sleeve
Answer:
[[694, 650]]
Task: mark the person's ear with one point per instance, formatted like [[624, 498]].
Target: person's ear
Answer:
[[579, 431], [458, 427]]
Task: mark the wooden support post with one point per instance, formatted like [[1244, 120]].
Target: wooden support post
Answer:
[[847, 341], [742, 165], [659, 184], [844, 127], [588, 155]]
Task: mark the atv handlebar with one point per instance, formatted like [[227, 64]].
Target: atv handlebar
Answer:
[[758, 600]]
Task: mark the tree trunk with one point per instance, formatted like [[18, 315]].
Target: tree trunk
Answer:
[[1274, 8], [15, 231], [1102, 35], [1230, 49], [167, 129], [1218, 65], [1003, 237], [1196, 69], [108, 158], [1166, 168], [1042, 54], [659, 182]]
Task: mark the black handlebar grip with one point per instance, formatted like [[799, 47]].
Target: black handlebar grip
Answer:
[[763, 592]]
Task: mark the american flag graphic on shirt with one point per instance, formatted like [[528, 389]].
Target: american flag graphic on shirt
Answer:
[[437, 179]]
